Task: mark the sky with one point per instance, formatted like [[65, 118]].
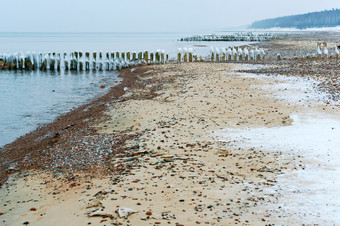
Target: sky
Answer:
[[146, 15]]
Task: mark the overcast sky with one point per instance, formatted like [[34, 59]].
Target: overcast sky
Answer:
[[145, 15]]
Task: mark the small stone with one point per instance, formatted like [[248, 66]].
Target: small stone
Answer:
[[125, 212], [33, 209], [149, 213]]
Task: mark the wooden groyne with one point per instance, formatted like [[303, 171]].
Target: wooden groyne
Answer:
[[80, 61]]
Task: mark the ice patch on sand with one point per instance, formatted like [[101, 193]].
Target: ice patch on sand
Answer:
[[314, 191]]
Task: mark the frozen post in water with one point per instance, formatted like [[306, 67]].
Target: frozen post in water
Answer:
[[87, 60], [94, 60]]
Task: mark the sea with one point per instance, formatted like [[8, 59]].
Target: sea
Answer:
[[29, 99]]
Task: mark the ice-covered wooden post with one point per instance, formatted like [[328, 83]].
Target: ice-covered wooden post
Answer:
[[229, 54], [336, 52], [246, 54], [257, 55], [158, 56], [66, 61], [252, 55], [224, 53], [190, 50], [101, 66], [80, 63], [318, 51], [195, 57], [51, 64], [146, 56], [152, 57], [134, 56], [163, 56], [325, 50], [217, 55], [279, 56], [185, 54], [167, 57], [87, 60], [28, 61], [179, 57], [94, 54], [58, 61], [240, 54], [234, 54], [262, 54], [212, 54]]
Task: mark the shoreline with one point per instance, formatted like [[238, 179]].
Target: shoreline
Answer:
[[158, 155], [57, 131]]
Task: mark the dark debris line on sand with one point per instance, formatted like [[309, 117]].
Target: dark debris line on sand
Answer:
[[70, 144]]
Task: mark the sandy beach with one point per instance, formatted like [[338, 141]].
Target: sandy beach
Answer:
[[159, 147]]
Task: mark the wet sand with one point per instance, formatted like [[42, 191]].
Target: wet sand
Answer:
[[154, 148]]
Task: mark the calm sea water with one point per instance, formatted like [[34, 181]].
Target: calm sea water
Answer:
[[28, 99]]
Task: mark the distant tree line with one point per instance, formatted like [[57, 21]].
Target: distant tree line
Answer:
[[327, 18]]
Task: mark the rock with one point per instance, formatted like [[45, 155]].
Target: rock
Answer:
[[125, 212], [95, 203], [100, 213], [33, 209], [167, 158], [148, 213]]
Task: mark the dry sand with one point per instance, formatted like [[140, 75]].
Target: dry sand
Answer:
[[181, 175]]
